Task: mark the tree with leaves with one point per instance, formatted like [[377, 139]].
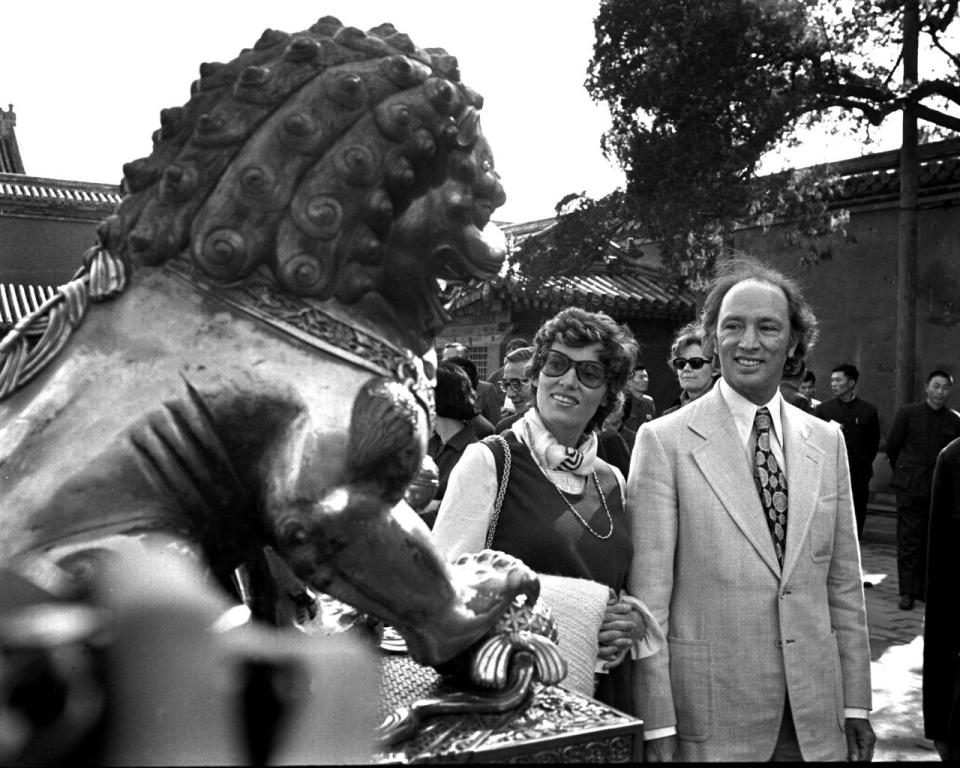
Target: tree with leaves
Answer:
[[701, 90]]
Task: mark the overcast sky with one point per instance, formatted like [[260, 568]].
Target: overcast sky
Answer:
[[88, 79]]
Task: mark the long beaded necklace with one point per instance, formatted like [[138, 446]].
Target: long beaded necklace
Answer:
[[603, 500]]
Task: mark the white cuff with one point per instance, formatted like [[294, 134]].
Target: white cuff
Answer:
[[857, 714], [660, 733], [653, 639]]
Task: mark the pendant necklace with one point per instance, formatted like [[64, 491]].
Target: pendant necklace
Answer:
[[603, 501]]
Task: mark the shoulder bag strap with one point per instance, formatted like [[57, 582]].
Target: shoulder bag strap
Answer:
[[505, 478]]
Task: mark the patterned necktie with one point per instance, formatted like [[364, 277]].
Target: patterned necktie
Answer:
[[771, 482]]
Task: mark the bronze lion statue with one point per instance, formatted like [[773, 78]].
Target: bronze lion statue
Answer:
[[241, 372]]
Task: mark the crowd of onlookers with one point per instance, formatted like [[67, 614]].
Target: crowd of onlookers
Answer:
[[704, 556]]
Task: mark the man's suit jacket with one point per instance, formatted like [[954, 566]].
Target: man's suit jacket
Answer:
[[941, 641], [740, 635], [488, 403]]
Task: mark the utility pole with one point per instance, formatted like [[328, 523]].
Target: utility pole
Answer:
[[907, 250]]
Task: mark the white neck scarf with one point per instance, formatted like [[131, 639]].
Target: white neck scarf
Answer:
[[550, 454]]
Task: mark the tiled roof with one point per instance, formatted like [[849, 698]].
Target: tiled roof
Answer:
[[638, 293], [36, 190], [18, 300], [936, 176]]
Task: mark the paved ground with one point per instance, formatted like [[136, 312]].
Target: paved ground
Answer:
[[896, 645]]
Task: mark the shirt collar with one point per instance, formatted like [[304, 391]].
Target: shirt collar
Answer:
[[446, 428], [744, 412]]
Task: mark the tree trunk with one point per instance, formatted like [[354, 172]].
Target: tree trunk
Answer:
[[907, 251]]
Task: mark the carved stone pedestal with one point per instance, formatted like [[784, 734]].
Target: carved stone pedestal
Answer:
[[556, 727]]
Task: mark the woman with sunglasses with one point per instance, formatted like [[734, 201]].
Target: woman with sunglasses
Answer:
[[562, 512], [696, 373]]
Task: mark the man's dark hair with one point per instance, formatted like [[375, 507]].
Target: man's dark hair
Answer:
[[458, 347], [455, 398], [849, 370], [804, 329], [468, 366], [516, 343], [810, 376], [940, 372]]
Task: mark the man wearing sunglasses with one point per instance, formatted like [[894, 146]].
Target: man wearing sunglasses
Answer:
[[748, 556]]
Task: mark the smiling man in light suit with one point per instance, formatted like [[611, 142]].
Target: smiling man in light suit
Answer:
[[749, 556]]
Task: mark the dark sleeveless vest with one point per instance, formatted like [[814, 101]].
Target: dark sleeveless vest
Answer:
[[538, 527]]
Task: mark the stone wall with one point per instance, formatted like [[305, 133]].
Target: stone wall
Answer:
[[854, 295]]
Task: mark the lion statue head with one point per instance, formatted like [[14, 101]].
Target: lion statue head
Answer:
[[350, 165]]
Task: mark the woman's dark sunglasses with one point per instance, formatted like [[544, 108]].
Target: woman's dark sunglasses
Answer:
[[592, 374], [695, 363]]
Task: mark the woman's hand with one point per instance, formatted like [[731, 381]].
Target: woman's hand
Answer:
[[623, 625]]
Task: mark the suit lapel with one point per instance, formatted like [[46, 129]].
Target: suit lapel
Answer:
[[724, 465], [804, 474]]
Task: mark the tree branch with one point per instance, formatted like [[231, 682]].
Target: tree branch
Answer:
[[937, 117], [935, 88], [939, 46], [893, 69], [860, 90], [940, 24], [874, 113]]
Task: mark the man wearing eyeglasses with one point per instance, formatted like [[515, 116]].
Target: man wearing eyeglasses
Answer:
[[748, 556], [495, 377], [515, 384]]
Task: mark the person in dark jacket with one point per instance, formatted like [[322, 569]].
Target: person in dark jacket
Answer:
[[488, 407], [456, 406], [638, 407], [918, 433], [941, 640], [615, 439], [790, 391], [808, 387], [861, 432]]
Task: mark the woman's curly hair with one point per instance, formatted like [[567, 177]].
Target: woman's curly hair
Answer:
[[577, 327]]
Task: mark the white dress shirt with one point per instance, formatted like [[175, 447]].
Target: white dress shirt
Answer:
[[744, 414]]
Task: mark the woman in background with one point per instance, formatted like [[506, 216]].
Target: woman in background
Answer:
[[456, 405], [696, 374]]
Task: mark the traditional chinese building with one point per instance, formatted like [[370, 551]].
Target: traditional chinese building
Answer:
[[631, 290], [45, 227]]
